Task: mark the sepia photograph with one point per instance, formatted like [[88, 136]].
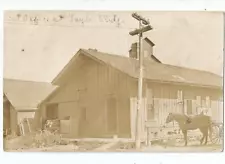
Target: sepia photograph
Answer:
[[113, 81]]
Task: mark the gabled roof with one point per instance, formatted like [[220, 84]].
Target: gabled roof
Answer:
[[26, 95], [152, 71]]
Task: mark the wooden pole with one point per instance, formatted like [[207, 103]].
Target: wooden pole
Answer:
[[139, 32], [140, 88]]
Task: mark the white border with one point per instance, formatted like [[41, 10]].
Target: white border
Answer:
[[125, 158]]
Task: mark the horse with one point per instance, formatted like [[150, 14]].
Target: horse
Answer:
[[200, 121]]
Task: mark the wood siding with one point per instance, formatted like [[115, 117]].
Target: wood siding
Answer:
[[89, 88], [91, 83], [14, 121], [6, 115], [166, 99]]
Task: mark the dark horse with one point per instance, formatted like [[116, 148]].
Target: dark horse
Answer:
[[201, 122]]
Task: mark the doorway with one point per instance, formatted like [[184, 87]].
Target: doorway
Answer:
[[112, 114], [52, 111], [82, 121]]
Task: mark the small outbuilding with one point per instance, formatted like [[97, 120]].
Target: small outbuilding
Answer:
[[21, 100]]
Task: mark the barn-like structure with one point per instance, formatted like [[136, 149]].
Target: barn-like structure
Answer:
[[98, 91]]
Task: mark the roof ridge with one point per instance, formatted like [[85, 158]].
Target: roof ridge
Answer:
[[106, 53], [110, 54], [116, 61], [164, 64]]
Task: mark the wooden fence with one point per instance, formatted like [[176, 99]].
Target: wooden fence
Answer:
[[162, 107]]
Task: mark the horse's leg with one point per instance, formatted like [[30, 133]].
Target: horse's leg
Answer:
[[206, 135], [203, 135], [185, 136]]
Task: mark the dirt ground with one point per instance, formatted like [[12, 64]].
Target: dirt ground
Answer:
[[18, 145], [52, 143], [116, 147], [192, 147], [71, 148]]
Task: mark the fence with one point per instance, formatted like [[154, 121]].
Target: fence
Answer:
[[161, 109]]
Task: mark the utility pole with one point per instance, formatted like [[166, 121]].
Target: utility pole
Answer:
[[144, 26]]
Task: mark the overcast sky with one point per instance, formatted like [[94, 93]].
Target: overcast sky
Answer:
[[37, 45]]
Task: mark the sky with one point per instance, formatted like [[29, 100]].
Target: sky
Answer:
[[38, 44]]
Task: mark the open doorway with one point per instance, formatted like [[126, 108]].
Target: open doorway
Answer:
[[52, 111], [112, 114], [82, 121]]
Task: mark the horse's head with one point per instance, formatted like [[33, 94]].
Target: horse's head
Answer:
[[169, 118]]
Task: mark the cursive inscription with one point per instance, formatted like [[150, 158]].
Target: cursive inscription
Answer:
[[67, 19]]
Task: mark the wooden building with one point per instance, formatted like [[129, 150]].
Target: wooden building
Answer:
[[21, 100], [98, 90]]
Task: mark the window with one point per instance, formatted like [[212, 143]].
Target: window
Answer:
[[180, 95], [208, 102], [199, 104], [198, 101], [203, 103]]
